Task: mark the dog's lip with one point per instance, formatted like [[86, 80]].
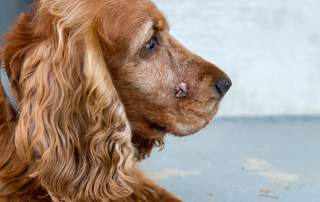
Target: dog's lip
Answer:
[[158, 127], [194, 130], [173, 128]]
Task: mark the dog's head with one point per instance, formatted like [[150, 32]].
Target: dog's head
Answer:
[[164, 87], [89, 74]]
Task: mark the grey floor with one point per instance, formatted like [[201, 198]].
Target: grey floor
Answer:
[[243, 160]]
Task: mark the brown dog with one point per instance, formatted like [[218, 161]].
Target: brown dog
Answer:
[[99, 83]]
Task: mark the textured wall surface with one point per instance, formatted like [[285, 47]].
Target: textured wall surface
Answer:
[[269, 48]]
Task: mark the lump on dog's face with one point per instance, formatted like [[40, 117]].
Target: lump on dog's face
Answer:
[[165, 88], [181, 90]]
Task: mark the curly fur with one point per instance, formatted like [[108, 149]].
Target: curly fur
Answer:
[[72, 126]]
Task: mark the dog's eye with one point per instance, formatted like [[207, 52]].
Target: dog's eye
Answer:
[[151, 44]]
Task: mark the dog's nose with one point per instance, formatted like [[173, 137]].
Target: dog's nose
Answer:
[[223, 85]]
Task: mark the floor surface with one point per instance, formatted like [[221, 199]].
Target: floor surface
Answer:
[[243, 160]]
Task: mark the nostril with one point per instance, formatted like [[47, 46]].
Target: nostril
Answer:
[[223, 85], [217, 87]]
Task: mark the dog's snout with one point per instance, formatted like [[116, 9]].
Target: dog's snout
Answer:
[[223, 85]]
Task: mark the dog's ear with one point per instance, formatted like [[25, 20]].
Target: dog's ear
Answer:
[[73, 129]]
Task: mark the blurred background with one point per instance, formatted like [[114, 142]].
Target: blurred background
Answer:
[[264, 145]]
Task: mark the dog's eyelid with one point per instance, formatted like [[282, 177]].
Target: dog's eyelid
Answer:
[[155, 37], [153, 42]]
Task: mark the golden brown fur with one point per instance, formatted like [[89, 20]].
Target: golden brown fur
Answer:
[[93, 103]]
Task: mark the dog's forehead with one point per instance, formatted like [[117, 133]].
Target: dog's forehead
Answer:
[[129, 24], [151, 11], [153, 21], [148, 9], [160, 22], [133, 15]]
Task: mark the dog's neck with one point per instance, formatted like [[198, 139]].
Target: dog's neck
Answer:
[[6, 86]]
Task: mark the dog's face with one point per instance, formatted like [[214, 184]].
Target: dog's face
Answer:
[[165, 88]]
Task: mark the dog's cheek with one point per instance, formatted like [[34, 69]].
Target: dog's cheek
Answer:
[[154, 77]]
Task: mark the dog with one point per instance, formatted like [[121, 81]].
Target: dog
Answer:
[[97, 85]]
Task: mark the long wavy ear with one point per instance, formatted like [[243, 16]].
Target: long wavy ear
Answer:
[[72, 125]]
